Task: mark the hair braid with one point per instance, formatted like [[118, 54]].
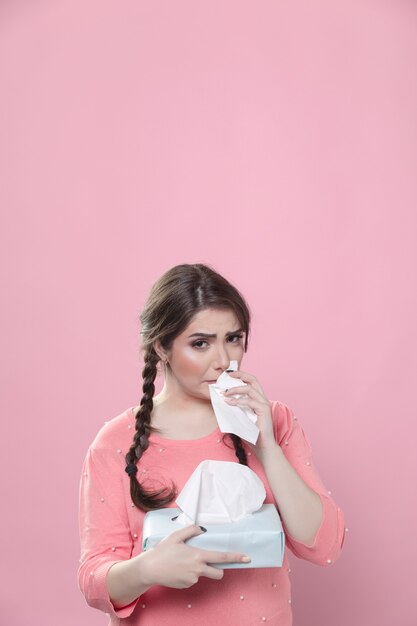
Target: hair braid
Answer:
[[143, 499], [239, 449]]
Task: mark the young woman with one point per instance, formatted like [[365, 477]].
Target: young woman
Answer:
[[194, 323]]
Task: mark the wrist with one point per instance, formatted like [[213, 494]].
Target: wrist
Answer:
[[144, 570], [126, 581], [271, 450]]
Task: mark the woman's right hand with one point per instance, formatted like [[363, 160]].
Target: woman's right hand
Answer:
[[173, 563]]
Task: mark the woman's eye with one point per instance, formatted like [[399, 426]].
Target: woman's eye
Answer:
[[200, 343], [234, 338]]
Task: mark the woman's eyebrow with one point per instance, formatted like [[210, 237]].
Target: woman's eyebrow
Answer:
[[209, 335]]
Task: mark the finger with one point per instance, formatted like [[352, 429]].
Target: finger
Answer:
[[240, 389], [247, 378], [243, 376], [243, 400], [212, 556], [185, 533], [248, 390], [216, 573], [254, 404]]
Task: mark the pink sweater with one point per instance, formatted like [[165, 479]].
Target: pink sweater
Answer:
[[111, 529]]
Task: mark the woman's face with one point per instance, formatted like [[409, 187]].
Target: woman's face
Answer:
[[204, 350]]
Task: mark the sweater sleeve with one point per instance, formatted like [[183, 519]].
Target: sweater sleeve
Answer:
[[329, 538], [105, 534]]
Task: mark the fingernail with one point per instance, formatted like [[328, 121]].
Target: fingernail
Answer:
[[203, 529], [246, 559]]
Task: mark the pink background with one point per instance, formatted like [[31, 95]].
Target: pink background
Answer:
[[275, 140]]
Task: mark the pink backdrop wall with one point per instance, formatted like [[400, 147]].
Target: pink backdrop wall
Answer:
[[274, 140]]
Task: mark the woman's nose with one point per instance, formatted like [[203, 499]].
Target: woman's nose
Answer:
[[222, 360]]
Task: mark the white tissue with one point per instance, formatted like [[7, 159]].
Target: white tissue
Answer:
[[218, 492], [232, 419]]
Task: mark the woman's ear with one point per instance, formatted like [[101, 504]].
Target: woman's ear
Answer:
[[160, 352]]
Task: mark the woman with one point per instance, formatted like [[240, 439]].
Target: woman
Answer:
[[194, 323]]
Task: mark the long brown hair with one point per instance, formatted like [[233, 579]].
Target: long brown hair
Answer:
[[174, 300]]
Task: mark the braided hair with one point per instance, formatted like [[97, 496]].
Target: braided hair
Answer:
[[145, 500], [174, 300], [239, 449]]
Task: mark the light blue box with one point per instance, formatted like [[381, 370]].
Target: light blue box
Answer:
[[259, 535]]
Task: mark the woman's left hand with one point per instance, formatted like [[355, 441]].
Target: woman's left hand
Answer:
[[252, 396]]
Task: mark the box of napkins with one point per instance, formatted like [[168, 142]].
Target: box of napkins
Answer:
[[227, 499]]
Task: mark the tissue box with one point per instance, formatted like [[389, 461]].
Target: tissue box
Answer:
[[259, 535]]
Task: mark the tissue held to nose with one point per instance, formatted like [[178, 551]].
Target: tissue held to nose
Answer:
[[218, 492], [232, 419]]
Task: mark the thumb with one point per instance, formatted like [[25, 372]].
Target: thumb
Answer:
[[185, 533]]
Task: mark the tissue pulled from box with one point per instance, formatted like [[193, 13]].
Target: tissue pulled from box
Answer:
[[238, 420], [218, 492]]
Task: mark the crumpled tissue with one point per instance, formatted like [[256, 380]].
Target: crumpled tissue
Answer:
[[232, 419]]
